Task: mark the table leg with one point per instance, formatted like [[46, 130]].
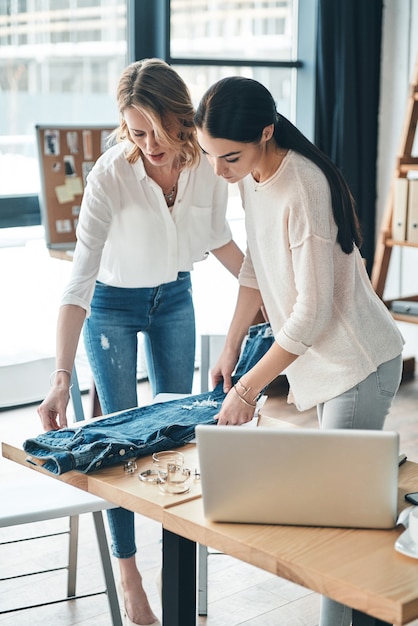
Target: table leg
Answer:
[[178, 580], [361, 619]]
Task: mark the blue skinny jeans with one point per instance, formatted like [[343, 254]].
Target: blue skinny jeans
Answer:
[[165, 316]]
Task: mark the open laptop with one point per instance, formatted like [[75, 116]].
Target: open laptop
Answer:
[[302, 476]]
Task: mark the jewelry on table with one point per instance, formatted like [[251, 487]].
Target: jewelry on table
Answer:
[[150, 476], [168, 456], [129, 467]]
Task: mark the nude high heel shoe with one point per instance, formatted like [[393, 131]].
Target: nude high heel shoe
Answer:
[[127, 619], [129, 622]]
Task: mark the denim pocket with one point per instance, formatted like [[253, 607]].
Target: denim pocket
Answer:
[[388, 376]]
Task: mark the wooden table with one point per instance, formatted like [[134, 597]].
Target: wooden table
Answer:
[[357, 567]]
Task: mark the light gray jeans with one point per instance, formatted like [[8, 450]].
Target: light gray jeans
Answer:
[[365, 406]]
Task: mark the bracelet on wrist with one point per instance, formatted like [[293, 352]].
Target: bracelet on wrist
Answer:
[[247, 390], [243, 399], [55, 372], [244, 388]]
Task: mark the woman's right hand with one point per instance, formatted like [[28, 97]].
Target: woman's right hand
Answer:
[[53, 409], [224, 367]]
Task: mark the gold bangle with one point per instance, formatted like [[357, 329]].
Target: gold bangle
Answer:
[[245, 389], [243, 399]]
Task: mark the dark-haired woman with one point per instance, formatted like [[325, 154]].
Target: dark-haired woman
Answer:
[[151, 209], [334, 338]]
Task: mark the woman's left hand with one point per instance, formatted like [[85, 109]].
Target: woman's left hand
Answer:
[[234, 411]]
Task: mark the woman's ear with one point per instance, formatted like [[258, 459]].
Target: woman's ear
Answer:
[[268, 132]]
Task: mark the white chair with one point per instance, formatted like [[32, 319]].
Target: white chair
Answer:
[[37, 498]]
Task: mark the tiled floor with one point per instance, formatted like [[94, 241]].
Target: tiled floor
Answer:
[[238, 593]]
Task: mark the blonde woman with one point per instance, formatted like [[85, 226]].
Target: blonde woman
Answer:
[[151, 209]]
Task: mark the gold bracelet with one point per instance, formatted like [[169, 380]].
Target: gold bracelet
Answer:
[[243, 399], [245, 389]]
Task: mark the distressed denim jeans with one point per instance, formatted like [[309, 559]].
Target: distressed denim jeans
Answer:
[[165, 317], [138, 432], [142, 430]]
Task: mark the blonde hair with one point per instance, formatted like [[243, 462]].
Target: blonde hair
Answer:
[[154, 88]]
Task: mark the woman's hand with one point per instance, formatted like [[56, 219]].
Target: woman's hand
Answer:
[[234, 411], [224, 367], [53, 409]]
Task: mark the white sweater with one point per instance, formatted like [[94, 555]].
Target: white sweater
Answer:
[[319, 300], [126, 235]]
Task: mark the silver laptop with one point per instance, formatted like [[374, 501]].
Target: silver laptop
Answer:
[[302, 476]]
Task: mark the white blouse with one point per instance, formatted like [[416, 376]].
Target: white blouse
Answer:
[[128, 237]]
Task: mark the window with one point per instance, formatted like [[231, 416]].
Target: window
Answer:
[[60, 61], [246, 37], [272, 41], [235, 29]]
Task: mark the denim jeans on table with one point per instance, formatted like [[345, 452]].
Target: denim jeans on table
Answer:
[[138, 432], [165, 316], [365, 406]]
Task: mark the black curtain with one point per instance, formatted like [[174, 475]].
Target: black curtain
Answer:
[[347, 99]]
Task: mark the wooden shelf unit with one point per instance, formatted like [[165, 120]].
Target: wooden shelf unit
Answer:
[[405, 163]]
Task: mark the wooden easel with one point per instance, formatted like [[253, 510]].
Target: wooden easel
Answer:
[[404, 163]]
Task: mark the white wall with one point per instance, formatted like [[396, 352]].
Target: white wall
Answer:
[[399, 54]]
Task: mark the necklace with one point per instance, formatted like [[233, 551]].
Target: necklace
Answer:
[[170, 196], [159, 177]]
